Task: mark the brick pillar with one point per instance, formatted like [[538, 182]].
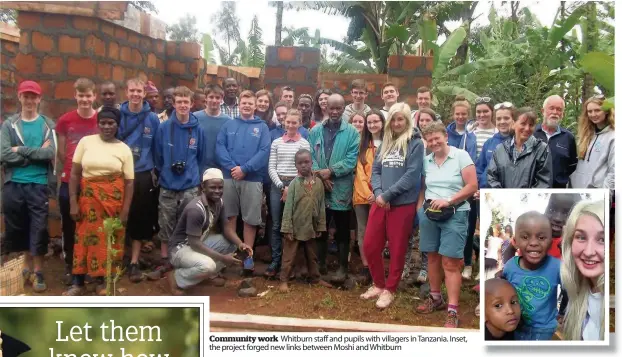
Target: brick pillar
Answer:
[[410, 73], [183, 64], [293, 66]]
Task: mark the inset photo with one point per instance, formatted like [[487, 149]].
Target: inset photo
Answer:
[[546, 266]]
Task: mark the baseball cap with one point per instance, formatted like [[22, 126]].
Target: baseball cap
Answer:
[[29, 86]]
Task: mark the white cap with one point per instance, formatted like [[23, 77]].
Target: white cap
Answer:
[[211, 174]]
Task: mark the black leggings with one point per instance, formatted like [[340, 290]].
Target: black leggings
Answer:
[[342, 237]]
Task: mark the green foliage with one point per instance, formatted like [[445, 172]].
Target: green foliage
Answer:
[[184, 30], [146, 6], [110, 227], [256, 55], [208, 48], [8, 16], [601, 66]]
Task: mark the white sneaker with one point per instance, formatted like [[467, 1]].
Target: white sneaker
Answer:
[[477, 277], [385, 299], [423, 276], [467, 272], [371, 293]]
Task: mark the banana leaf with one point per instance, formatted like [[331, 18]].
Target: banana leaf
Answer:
[[448, 51], [481, 65], [601, 66]]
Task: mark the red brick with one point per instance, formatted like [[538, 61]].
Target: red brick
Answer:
[[275, 72], [160, 65], [411, 100], [53, 20], [343, 86], [429, 63], [137, 58], [9, 105], [400, 82], [10, 47], [133, 38], [142, 75], [6, 60], [47, 88], [130, 72], [306, 89], [286, 54], [175, 67], [8, 76], [310, 57], [68, 44], [26, 20], [95, 46], [24, 42], [42, 42], [85, 23], [160, 46], [328, 84], [81, 67], [113, 5], [223, 72], [107, 28], [126, 54], [411, 63], [52, 65], [104, 71], [190, 84], [146, 44], [394, 62], [113, 50], [151, 60], [26, 64], [171, 48], [190, 49], [118, 74], [296, 74], [313, 75], [120, 32], [194, 67], [64, 90]]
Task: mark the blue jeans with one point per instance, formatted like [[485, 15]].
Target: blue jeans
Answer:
[[526, 333], [276, 211]]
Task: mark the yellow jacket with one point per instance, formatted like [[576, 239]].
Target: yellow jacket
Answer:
[[362, 178]]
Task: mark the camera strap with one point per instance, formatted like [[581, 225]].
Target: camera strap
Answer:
[[171, 143], [126, 134]]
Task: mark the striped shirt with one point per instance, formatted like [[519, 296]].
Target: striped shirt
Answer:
[[482, 135], [282, 158]]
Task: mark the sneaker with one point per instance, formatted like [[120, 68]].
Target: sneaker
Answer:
[[270, 271], [135, 274], [385, 299], [467, 272], [27, 276], [422, 277], [452, 320], [38, 284], [371, 293], [477, 311], [429, 306]]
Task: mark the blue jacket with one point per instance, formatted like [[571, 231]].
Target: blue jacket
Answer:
[[278, 132], [563, 149], [186, 146], [138, 130], [466, 141], [244, 143], [483, 160]]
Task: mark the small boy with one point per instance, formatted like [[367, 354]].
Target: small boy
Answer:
[[304, 218], [535, 276], [502, 310]]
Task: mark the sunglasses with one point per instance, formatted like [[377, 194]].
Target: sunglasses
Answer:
[[480, 100], [504, 105], [598, 96]]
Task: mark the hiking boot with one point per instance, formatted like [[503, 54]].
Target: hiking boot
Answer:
[[371, 293], [452, 320], [467, 272], [422, 277], [159, 272], [385, 299], [136, 276], [429, 305], [38, 283]]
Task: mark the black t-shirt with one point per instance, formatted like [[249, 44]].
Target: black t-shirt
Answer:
[[194, 221], [509, 336]]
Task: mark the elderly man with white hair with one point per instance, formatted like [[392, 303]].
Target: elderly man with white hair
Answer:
[[561, 142], [202, 244]]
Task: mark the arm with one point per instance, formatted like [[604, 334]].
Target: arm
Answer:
[[62, 149], [158, 157], [74, 181], [471, 146], [40, 153], [154, 144], [315, 166], [365, 173], [573, 157], [9, 157], [543, 177], [230, 234], [321, 224], [194, 231], [414, 167], [492, 173], [347, 165], [611, 168], [274, 176], [470, 185], [376, 171], [200, 151], [421, 198], [287, 225], [127, 199], [260, 159], [222, 154], [480, 167]]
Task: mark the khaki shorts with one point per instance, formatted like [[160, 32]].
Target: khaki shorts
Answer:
[[244, 195]]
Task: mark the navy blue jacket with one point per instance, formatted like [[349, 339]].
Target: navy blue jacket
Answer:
[[138, 130], [563, 149], [483, 160], [458, 141]]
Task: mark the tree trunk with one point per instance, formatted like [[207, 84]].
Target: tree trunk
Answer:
[[467, 17], [279, 23], [591, 38], [562, 14]]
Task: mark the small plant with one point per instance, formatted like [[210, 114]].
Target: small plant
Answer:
[[111, 225], [327, 301]]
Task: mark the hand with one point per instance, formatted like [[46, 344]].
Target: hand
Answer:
[[14, 148], [74, 211], [439, 204], [318, 234], [381, 202], [230, 260], [46, 144], [328, 185], [324, 174], [245, 248], [237, 173], [476, 195], [284, 195], [123, 216], [289, 236], [154, 179], [371, 198]]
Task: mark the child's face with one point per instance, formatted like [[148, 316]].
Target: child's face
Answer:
[[502, 309], [533, 238], [557, 211], [303, 164]]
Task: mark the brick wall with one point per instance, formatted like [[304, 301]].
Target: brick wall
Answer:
[[294, 66], [410, 73], [8, 52]]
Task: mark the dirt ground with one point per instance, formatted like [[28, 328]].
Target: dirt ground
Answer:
[[303, 301]]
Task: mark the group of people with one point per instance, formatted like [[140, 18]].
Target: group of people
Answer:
[[562, 248], [214, 154]]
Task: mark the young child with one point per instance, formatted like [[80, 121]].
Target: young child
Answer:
[[304, 218], [535, 276], [502, 310]]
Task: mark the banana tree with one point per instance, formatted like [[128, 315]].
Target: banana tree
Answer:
[[601, 66]]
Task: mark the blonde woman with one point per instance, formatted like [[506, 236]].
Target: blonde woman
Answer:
[[396, 170], [596, 147], [583, 272]]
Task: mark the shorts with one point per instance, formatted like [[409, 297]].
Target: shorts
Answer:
[[143, 217], [446, 238], [244, 195], [26, 208], [169, 204]]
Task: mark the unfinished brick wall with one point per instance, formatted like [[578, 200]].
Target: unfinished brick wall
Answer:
[[294, 66], [409, 73], [8, 53]]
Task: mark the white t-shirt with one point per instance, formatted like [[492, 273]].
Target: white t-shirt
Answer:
[[494, 247], [591, 328]]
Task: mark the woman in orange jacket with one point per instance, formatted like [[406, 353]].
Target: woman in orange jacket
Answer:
[[371, 138]]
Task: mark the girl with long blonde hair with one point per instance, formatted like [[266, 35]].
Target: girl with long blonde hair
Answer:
[[583, 272]]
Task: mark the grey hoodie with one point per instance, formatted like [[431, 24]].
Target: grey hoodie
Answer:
[[597, 169], [396, 177], [11, 135]]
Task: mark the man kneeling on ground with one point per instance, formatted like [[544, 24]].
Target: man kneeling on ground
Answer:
[[197, 253]]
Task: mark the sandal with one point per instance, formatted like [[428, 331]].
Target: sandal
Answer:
[[75, 290]]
